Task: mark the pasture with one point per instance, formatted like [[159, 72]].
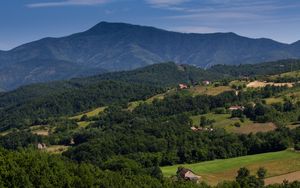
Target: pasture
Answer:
[[224, 121], [213, 172]]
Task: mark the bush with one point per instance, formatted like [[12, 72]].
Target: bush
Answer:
[[237, 113], [84, 118], [220, 111], [297, 146], [237, 124]]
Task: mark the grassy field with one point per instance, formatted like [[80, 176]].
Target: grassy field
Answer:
[[91, 113], [133, 105], [224, 121], [208, 90], [56, 149], [276, 163], [42, 130], [273, 100], [83, 124], [294, 74]]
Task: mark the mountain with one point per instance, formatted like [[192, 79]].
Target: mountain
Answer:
[[120, 46], [296, 45]]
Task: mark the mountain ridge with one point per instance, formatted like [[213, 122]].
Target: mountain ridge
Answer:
[[121, 46]]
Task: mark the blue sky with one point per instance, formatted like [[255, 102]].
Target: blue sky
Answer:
[[23, 21]]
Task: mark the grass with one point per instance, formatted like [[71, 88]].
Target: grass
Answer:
[[254, 128], [292, 94], [56, 149], [294, 74], [42, 130], [5, 133], [208, 90], [276, 163], [224, 121], [273, 100], [83, 124], [91, 113], [158, 96], [221, 121], [133, 105]]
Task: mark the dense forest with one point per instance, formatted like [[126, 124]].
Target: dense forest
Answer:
[[260, 69]]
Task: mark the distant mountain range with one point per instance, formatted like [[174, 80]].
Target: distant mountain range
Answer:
[[118, 46]]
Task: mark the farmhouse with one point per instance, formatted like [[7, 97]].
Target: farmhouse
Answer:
[[183, 86], [41, 146], [201, 129], [206, 82], [231, 108], [187, 174]]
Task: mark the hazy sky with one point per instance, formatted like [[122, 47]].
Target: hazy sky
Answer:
[[23, 21]]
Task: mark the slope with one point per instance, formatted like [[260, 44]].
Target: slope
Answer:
[[38, 101]]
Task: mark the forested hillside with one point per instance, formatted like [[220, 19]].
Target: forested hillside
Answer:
[[68, 97], [38, 101], [145, 121], [260, 69]]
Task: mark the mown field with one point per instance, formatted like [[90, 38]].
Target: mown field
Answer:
[[276, 163]]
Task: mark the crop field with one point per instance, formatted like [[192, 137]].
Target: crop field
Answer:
[[277, 164]]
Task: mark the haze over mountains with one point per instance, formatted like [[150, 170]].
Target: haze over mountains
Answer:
[[119, 46]]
